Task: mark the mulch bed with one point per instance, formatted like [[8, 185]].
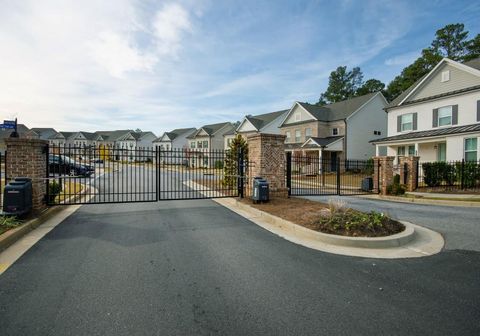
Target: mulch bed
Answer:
[[309, 214]]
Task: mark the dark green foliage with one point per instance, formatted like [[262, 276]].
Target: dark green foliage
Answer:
[[469, 175], [450, 41], [230, 168], [396, 188], [370, 86], [54, 188], [342, 84], [218, 164]]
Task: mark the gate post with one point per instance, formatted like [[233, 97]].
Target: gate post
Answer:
[[266, 153], [383, 173], [338, 175], [410, 171], [27, 158], [289, 172]]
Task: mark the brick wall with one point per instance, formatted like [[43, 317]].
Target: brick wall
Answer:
[[410, 164], [266, 156], [382, 173], [27, 158]]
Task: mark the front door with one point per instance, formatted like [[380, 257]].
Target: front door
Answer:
[[333, 162], [442, 152]]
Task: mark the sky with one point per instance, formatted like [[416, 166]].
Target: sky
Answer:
[[159, 65]]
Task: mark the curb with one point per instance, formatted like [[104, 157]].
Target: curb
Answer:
[[11, 236], [421, 201], [414, 242]]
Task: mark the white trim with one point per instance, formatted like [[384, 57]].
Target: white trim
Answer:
[[367, 102], [290, 111], [443, 61], [245, 119]]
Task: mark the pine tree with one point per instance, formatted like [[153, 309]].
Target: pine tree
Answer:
[[230, 168]]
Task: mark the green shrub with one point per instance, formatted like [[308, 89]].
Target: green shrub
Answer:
[[396, 189], [470, 174], [431, 176], [54, 188], [8, 222], [396, 179], [218, 164]]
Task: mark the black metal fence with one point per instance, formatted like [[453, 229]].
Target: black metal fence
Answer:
[[319, 176], [82, 175], [447, 176], [3, 176]]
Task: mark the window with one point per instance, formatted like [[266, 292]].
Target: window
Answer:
[[471, 149], [377, 132], [192, 144], [298, 117], [287, 134], [445, 76], [406, 122], [335, 131], [199, 144], [445, 116], [411, 150], [298, 134], [205, 144], [308, 132], [401, 151]]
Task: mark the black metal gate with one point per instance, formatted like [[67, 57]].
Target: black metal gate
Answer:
[[311, 176], [124, 174]]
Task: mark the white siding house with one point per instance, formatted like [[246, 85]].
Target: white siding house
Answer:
[[437, 118]]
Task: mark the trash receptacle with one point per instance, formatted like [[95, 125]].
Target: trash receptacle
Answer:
[[260, 190], [17, 196], [367, 184]]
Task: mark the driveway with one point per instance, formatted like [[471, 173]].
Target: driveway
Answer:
[[460, 226], [195, 268]]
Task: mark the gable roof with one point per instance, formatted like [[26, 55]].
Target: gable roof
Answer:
[[113, 135], [173, 134], [335, 111], [402, 99], [261, 120], [67, 135], [44, 133], [211, 129], [321, 142], [139, 135]]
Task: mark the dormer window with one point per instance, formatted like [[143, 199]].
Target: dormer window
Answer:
[[445, 76]]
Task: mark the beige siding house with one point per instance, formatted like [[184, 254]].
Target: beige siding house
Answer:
[[336, 131]]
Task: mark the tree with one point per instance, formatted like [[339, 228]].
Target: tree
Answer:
[[371, 85], [473, 48], [230, 168], [451, 41], [342, 84]]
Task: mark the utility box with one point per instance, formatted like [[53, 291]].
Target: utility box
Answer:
[[17, 197], [367, 184], [260, 190]]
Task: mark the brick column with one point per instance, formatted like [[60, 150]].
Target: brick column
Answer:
[[266, 156], [411, 165], [27, 158], [383, 173]]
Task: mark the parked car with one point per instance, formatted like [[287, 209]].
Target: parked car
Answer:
[[64, 165]]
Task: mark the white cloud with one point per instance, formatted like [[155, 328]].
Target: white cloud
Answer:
[[403, 59], [170, 23], [115, 53]]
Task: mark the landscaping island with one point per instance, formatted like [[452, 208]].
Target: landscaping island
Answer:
[[333, 218]]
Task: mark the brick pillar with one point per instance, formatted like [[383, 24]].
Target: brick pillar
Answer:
[[410, 163], [383, 173], [27, 158], [266, 156]]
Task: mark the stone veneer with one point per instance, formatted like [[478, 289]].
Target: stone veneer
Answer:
[[27, 158], [383, 173], [266, 156], [411, 164]]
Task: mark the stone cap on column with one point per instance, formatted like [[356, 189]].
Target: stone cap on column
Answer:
[[266, 135], [25, 141]]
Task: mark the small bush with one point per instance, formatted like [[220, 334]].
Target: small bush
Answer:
[[218, 164], [54, 188], [8, 222], [396, 189]]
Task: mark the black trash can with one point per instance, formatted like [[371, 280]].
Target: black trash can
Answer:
[[367, 184], [17, 197], [260, 190]]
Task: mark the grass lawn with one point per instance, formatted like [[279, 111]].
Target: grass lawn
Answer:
[[70, 189]]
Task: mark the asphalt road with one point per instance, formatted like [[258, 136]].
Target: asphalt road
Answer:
[[195, 268], [460, 226]]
